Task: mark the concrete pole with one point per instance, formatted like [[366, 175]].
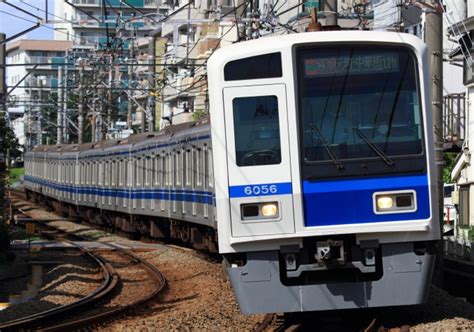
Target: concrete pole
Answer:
[[3, 112], [65, 99], [434, 40], [130, 74], [110, 94], [80, 106], [39, 134], [93, 123], [330, 11], [59, 136]]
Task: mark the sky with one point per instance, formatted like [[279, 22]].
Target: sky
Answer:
[[13, 21]]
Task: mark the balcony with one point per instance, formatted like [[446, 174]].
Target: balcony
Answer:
[[86, 2], [151, 3], [48, 83]]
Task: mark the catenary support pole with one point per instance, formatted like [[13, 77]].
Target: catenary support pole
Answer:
[[59, 136], [434, 40], [80, 106], [130, 102], [330, 11], [39, 134]]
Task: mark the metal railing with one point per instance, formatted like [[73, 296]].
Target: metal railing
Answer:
[[459, 248], [454, 118]]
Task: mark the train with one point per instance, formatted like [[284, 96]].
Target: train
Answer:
[[314, 176]]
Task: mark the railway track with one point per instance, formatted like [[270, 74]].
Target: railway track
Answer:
[[125, 287]]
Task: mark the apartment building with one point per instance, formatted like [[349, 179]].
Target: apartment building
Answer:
[[41, 59]]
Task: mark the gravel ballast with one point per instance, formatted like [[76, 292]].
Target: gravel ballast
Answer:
[[73, 277]]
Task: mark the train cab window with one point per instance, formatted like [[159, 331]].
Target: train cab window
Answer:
[[256, 130], [255, 67]]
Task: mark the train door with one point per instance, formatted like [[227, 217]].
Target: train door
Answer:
[[259, 168]]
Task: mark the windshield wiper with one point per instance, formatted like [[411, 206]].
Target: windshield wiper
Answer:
[[328, 148], [374, 147]]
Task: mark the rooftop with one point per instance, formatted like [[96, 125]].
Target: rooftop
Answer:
[[39, 45]]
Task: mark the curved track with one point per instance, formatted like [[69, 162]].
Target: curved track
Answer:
[[47, 321]]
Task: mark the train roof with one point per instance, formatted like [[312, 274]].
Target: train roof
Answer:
[[286, 42], [117, 142]]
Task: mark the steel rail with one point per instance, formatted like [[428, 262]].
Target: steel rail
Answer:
[[109, 284], [154, 273]]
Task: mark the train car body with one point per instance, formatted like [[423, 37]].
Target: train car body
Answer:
[[327, 196], [318, 184]]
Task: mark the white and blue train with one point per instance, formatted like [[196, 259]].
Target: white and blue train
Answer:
[[316, 179]]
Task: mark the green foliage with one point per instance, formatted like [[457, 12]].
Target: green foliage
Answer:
[[7, 137], [449, 160], [14, 174], [199, 114], [470, 234]]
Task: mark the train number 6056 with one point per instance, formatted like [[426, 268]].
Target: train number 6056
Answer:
[[263, 189]]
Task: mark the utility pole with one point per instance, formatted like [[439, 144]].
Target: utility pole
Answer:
[[129, 101], [65, 98], [3, 113], [434, 40], [59, 138], [110, 94], [80, 117], [94, 128], [39, 134], [330, 11]]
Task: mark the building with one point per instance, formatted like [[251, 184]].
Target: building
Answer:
[[183, 43], [38, 61], [92, 23]]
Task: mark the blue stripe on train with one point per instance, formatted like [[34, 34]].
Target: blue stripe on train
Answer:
[[350, 201], [202, 197], [266, 189]]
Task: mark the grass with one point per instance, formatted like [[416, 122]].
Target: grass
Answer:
[[14, 174]]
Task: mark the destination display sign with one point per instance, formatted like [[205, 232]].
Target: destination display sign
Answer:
[[357, 64]]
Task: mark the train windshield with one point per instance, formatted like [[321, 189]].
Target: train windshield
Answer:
[[359, 105]]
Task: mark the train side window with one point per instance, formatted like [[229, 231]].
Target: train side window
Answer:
[[211, 167], [148, 171], [194, 167], [106, 174], [103, 169], [206, 166], [176, 168], [256, 130], [166, 170], [113, 173], [137, 173], [199, 167], [157, 170], [189, 168], [254, 67], [184, 169]]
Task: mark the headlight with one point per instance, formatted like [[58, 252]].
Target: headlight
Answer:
[[255, 211], [270, 210], [402, 201], [384, 202]]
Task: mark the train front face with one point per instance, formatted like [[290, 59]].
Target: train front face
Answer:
[[326, 188]]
